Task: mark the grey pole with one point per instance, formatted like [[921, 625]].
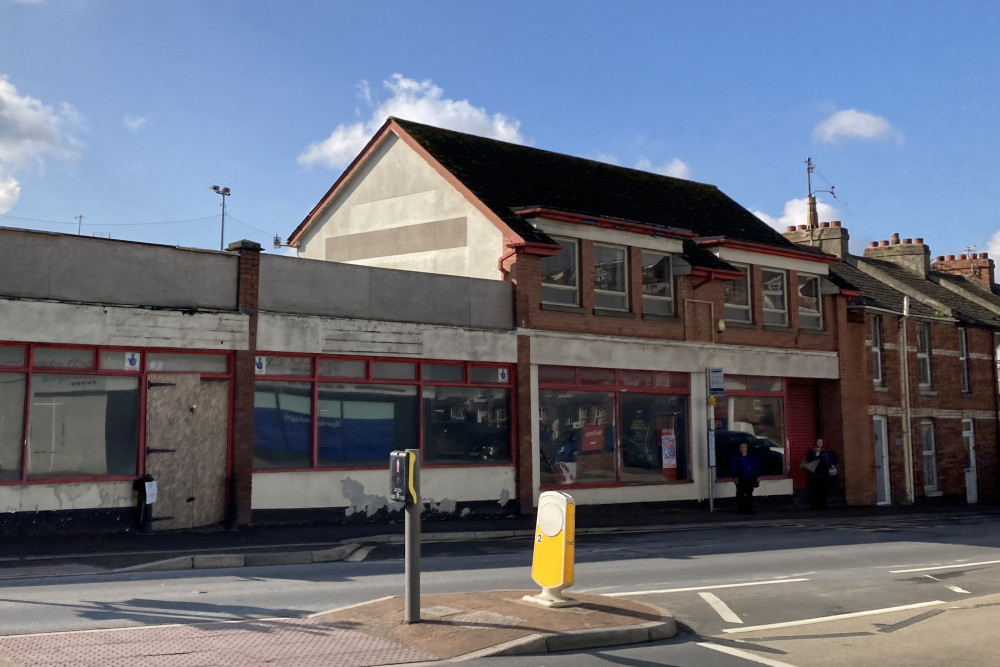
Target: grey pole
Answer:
[[412, 548]]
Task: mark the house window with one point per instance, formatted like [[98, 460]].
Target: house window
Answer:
[[924, 353], [810, 303], [657, 284], [963, 358], [560, 278], [877, 349], [610, 277], [775, 297], [930, 457], [738, 297]]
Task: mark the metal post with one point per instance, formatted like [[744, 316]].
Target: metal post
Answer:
[[222, 235], [711, 453], [412, 548]]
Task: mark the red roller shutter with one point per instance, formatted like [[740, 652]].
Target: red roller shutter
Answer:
[[801, 417]]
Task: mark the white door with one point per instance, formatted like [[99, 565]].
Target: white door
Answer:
[[882, 496], [971, 479]]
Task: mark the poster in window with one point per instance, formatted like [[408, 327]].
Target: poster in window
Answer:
[[668, 441], [593, 438]]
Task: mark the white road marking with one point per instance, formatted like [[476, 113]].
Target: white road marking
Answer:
[[944, 567], [948, 586], [727, 614], [704, 588], [838, 617], [745, 655], [360, 554]]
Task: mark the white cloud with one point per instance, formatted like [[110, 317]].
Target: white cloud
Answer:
[[853, 124], [676, 168], [10, 192], [29, 132], [419, 101], [797, 213], [134, 122], [993, 247]]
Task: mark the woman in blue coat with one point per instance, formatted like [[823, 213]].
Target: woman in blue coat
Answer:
[[745, 470]]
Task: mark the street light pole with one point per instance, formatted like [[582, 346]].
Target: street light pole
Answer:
[[225, 193]]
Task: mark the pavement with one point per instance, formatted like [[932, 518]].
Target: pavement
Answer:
[[452, 627]]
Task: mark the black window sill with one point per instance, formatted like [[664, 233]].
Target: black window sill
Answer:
[[563, 309], [613, 313]]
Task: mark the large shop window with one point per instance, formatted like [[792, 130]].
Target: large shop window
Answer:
[[601, 426], [560, 278], [751, 413], [75, 412], [455, 413]]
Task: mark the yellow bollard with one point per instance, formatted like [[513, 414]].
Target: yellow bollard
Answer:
[[552, 562]]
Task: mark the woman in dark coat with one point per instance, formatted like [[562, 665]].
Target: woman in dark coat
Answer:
[[745, 470]]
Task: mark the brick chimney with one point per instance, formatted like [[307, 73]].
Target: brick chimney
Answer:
[[829, 237], [977, 267], [910, 254]]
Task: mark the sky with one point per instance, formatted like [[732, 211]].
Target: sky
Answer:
[[126, 112]]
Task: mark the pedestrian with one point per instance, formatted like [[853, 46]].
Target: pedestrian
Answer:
[[820, 464], [745, 470]]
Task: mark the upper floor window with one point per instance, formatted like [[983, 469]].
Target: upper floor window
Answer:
[[810, 302], [930, 455], [963, 358], [738, 297], [877, 349], [610, 277], [924, 353], [560, 277], [657, 284], [775, 297]]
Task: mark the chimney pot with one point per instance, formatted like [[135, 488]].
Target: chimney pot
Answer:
[[919, 240], [907, 241], [803, 227], [835, 223], [950, 258], [883, 243], [963, 256], [790, 228], [984, 255], [873, 244], [824, 225], [895, 239], [939, 258]]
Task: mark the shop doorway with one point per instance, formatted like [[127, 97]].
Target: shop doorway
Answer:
[[186, 445], [882, 496]]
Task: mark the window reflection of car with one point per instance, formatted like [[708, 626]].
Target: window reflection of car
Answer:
[[461, 441], [769, 454]]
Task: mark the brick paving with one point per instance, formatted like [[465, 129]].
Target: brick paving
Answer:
[[272, 642]]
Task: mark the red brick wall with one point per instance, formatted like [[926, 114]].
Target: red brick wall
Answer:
[[248, 289]]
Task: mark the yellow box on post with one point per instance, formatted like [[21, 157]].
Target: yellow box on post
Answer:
[[552, 562]]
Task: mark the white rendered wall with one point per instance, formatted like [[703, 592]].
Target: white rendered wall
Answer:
[[367, 491], [75, 496], [397, 188], [322, 335], [55, 322]]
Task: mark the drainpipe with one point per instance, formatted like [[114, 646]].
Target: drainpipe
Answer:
[[904, 365]]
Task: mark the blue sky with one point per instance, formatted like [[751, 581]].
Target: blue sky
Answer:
[[126, 112]]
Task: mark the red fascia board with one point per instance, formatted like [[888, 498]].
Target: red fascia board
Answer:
[[767, 250], [626, 225], [541, 249]]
